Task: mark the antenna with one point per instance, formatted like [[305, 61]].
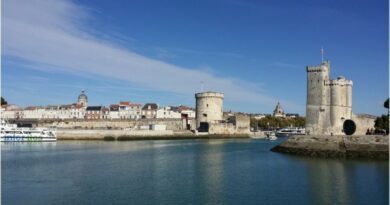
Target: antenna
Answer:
[[322, 54]]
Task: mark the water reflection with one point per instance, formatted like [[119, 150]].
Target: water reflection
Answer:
[[338, 181]]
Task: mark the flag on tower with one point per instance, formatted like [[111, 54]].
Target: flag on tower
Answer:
[[322, 54]]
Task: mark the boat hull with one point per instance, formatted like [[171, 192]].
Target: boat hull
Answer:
[[26, 139]]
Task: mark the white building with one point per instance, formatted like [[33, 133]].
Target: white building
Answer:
[[129, 110], [11, 112], [114, 112], [51, 112], [186, 111], [168, 113], [33, 112], [149, 110], [77, 112], [175, 112]]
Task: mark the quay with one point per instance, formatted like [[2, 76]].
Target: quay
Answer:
[[123, 135], [342, 146]]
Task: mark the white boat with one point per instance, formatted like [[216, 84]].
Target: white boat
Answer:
[[271, 136], [12, 133], [286, 132]]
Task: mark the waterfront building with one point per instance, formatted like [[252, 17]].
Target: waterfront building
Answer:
[[175, 112], [105, 113], [114, 112], [94, 113], [186, 111], [278, 111], [77, 111], [128, 110], [149, 111], [51, 112], [11, 112], [168, 112], [64, 112]]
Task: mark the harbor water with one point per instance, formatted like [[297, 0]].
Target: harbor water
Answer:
[[236, 171]]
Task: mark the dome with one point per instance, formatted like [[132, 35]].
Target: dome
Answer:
[[82, 96], [83, 99], [278, 111]]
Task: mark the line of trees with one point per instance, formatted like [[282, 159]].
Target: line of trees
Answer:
[[382, 122], [271, 123]]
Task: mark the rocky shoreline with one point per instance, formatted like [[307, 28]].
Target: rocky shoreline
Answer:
[[367, 146]]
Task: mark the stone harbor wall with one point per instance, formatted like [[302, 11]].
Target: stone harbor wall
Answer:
[[363, 123], [238, 124], [123, 135], [171, 124], [222, 128], [362, 146]]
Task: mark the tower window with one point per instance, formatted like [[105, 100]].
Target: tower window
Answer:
[[207, 105]]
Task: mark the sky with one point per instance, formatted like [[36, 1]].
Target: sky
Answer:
[[255, 52]]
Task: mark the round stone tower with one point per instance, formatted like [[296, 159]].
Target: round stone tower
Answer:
[[209, 108], [341, 103], [83, 99]]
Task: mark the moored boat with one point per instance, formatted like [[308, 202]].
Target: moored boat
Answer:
[[286, 132], [12, 133]]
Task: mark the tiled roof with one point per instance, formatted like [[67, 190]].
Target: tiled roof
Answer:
[[95, 108], [124, 103], [153, 106]]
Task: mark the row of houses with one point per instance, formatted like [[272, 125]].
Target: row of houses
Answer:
[[122, 110], [81, 110]]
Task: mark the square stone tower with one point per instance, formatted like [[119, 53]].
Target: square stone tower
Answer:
[[318, 99]]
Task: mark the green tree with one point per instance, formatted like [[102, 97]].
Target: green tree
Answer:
[[3, 102], [270, 122], [382, 122]]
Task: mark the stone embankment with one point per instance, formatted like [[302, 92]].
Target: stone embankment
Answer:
[[171, 124], [367, 146], [122, 135]]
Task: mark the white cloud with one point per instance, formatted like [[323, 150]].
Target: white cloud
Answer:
[[53, 35]]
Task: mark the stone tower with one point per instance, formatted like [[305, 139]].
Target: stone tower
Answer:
[[209, 108], [82, 99], [329, 102], [340, 103], [318, 98]]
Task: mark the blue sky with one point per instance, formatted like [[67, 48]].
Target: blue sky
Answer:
[[160, 51]]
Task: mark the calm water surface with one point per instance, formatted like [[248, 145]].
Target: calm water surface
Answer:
[[183, 172]]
